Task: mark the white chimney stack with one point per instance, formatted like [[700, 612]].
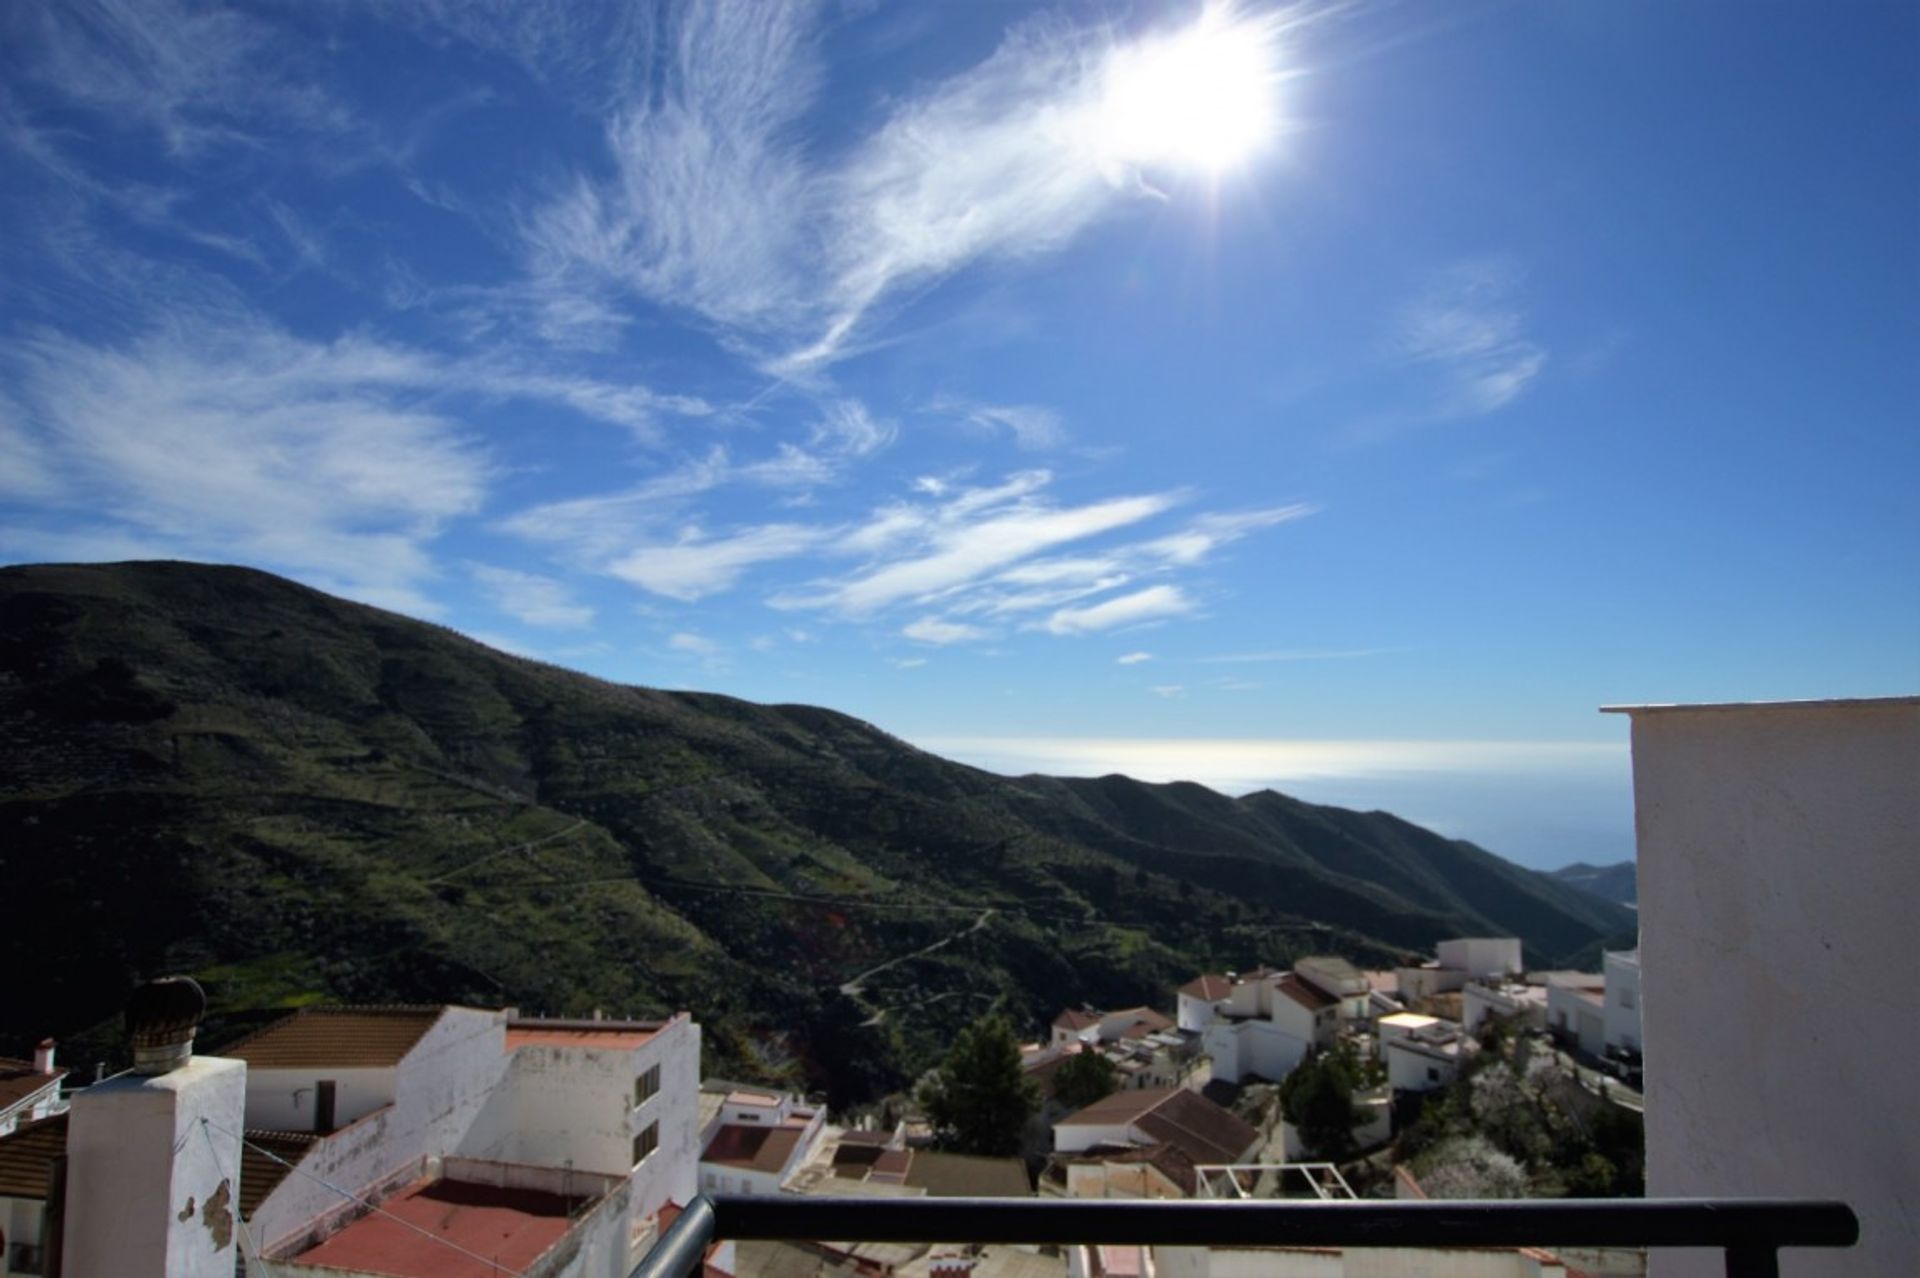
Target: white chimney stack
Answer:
[[43, 1057], [153, 1156]]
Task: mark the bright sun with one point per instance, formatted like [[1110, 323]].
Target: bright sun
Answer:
[[1201, 97]]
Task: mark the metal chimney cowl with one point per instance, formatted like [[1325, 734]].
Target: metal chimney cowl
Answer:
[[162, 1016]]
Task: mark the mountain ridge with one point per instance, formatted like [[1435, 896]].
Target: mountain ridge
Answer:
[[215, 770]]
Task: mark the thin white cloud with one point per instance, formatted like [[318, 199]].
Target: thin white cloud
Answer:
[[717, 205], [1293, 654], [707, 209], [220, 443], [1152, 604], [1033, 427], [936, 631], [1132, 658], [697, 644], [960, 545], [197, 76], [1168, 690], [698, 566], [1467, 325], [847, 427], [533, 599]]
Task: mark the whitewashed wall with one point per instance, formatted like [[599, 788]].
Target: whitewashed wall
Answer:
[[1779, 870], [142, 1172], [282, 1100]]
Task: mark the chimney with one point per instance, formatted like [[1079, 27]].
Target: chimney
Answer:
[[153, 1156], [43, 1057]]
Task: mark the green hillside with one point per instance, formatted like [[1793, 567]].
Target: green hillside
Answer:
[[294, 797]]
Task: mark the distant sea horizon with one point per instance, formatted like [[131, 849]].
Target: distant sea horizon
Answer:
[[1543, 805]]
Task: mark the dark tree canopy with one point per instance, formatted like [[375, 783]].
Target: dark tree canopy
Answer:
[[978, 1100], [1317, 1098], [1084, 1079]]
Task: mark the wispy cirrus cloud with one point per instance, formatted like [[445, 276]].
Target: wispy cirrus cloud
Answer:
[[967, 558], [223, 445], [1292, 654], [934, 630], [197, 75], [532, 598], [717, 205], [1033, 427], [214, 434], [1155, 603], [698, 565], [1467, 326]]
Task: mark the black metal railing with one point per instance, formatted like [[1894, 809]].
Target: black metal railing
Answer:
[[1750, 1231]]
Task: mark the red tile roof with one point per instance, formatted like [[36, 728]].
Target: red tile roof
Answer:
[[967, 1176], [757, 1148], [26, 1155], [511, 1226], [1208, 986], [1304, 994], [1193, 1124], [263, 1164], [19, 1080], [1168, 1160], [1072, 1019], [337, 1038]]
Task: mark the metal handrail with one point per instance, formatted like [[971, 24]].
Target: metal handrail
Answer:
[[1750, 1231]]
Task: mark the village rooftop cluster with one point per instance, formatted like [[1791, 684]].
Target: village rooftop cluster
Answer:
[[435, 1141]]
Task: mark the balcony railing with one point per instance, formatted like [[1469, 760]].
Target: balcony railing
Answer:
[[1750, 1231]]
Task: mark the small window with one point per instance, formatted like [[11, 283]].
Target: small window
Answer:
[[645, 1143], [1433, 1074], [645, 1086]]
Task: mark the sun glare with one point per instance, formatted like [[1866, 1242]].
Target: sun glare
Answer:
[[1201, 97]]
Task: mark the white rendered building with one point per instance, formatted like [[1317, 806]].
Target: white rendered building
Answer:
[[1779, 861]]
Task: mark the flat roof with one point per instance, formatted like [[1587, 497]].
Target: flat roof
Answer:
[[512, 1227], [1412, 1020], [1659, 707]]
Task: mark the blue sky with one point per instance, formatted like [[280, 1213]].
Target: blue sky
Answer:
[[1349, 398]]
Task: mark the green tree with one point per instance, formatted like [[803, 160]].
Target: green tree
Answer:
[[1317, 1098], [1084, 1079], [978, 1100]]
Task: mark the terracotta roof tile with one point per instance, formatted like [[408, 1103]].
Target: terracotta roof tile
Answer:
[[763, 1149], [1072, 1019], [1304, 994], [260, 1174], [19, 1080], [1208, 986], [1193, 1124], [337, 1038], [1168, 1160], [965, 1176], [26, 1155]]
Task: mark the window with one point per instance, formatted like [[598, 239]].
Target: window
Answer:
[[645, 1143], [646, 1085], [1433, 1074]]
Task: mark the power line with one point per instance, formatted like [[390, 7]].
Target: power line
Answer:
[[369, 1204], [251, 1249]]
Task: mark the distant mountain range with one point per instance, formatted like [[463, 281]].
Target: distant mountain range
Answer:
[[295, 798], [1618, 883]]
